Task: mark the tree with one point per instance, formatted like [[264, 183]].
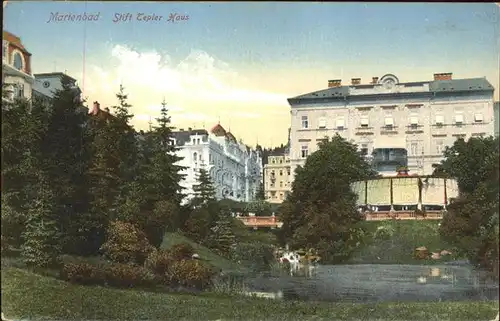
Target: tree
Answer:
[[222, 237], [65, 158], [471, 162], [261, 195], [204, 190], [41, 247], [471, 222], [126, 142], [164, 175], [23, 127], [321, 210]]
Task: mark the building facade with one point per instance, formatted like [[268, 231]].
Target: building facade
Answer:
[[17, 78], [235, 168], [277, 184], [394, 124], [46, 84]]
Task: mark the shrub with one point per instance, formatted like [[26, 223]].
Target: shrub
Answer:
[[115, 275], [127, 276], [126, 244], [383, 232], [158, 262], [190, 273], [181, 251], [257, 255], [82, 273]]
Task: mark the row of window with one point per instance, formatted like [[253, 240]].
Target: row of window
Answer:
[[281, 184], [273, 173], [388, 121], [414, 149]]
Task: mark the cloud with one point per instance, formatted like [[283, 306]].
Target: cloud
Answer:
[[198, 86]]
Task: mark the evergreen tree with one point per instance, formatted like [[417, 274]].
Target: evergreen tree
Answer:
[[23, 127], [65, 159], [104, 184], [222, 237], [204, 190], [164, 173], [126, 141], [41, 247], [261, 194]]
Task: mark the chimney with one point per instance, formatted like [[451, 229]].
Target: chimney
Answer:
[[443, 76], [355, 81], [374, 80], [95, 108], [334, 83]]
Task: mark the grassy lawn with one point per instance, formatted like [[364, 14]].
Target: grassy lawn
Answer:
[[407, 236], [31, 296], [170, 239]]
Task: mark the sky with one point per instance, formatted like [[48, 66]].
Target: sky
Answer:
[[238, 62]]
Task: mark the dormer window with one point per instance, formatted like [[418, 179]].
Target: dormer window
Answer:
[[17, 60]]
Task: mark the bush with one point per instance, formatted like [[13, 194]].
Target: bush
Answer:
[[126, 244], [158, 262], [182, 251], [383, 232], [115, 275], [257, 255], [128, 276], [83, 273], [190, 273]]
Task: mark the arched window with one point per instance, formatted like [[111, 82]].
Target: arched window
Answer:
[[195, 156], [18, 61]]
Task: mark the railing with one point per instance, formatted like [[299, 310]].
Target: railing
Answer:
[[273, 222], [381, 216], [260, 221]]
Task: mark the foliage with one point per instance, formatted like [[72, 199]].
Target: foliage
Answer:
[[204, 190], [115, 275], [126, 244], [261, 195], [259, 256], [190, 273], [181, 251], [384, 232], [158, 261], [41, 247], [471, 222], [259, 208], [321, 209], [470, 162], [222, 237], [198, 225]]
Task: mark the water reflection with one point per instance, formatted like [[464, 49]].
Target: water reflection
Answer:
[[376, 283]]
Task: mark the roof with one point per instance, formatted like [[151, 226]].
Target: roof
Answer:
[[183, 136], [218, 130], [15, 41], [439, 86], [53, 74]]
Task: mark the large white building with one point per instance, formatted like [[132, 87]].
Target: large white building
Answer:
[[394, 124], [235, 168], [17, 78]]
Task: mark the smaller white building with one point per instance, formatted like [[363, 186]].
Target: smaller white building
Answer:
[[46, 84], [235, 169]]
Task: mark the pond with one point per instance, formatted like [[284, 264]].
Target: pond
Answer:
[[376, 283]]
